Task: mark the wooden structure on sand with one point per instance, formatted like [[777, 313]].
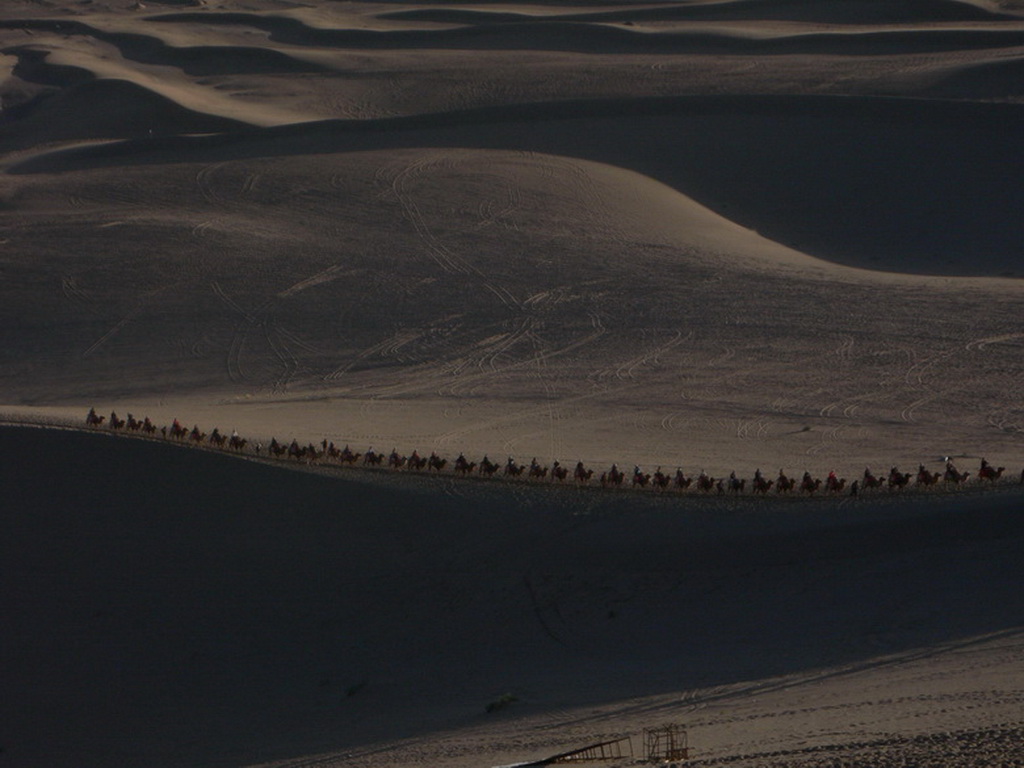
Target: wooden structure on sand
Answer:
[[605, 750], [665, 745]]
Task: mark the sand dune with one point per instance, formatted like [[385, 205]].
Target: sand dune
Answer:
[[274, 614], [114, 109], [996, 79], [193, 60], [723, 235], [859, 12], [562, 297], [806, 171], [574, 35]]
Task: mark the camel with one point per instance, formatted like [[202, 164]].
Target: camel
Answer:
[[464, 466], [488, 467], [785, 484], [512, 469], [835, 484], [898, 480], [582, 474], [558, 472], [926, 478], [416, 462], [953, 475], [613, 477], [870, 481], [810, 485], [93, 419], [681, 481], [988, 472], [706, 483], [436, 463], [348, 456]]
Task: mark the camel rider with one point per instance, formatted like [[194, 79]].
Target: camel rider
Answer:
[[758, 477]]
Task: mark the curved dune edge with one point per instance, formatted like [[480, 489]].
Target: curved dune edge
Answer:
[[111, 109], [173, 86], [910, 11], [344, 618], [576, 35], [901, 153]]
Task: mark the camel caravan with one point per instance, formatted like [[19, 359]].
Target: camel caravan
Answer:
[[328, 453]]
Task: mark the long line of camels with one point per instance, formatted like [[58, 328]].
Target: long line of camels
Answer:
[[328, 452]]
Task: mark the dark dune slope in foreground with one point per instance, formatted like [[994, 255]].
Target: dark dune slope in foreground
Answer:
[[165, 606]]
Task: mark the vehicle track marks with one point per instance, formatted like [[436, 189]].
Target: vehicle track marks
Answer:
[[108, 335], [981, 344]]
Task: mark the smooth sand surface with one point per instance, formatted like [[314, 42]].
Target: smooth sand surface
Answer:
[[724, 235], [169, 606]]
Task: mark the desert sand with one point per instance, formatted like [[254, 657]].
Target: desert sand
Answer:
[[719, 235]]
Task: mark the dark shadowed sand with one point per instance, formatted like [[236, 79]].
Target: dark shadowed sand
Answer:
[[169, 606]]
